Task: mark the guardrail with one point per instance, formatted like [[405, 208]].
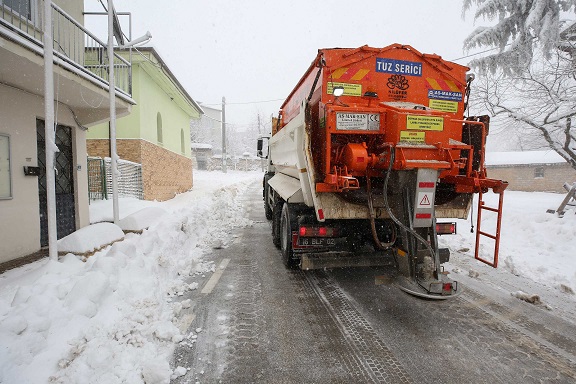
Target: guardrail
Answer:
[[72, 42]]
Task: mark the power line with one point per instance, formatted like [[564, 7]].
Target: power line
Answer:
[[476, 54], [247, 102]]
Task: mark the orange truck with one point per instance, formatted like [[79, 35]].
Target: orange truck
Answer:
[[370, 148]]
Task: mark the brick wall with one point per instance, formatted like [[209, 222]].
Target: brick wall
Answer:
[[98, 147], [164, 173], [522, 177]]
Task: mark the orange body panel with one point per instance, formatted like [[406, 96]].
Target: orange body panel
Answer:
[[395, 99]]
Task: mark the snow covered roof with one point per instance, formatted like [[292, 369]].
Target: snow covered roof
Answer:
[[523, 158], [200, 146]]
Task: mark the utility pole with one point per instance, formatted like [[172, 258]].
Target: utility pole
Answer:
[[259, 136], [49, 131], [224, 134], [112, 96]]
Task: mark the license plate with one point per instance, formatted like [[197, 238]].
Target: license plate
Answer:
[[316, 241]]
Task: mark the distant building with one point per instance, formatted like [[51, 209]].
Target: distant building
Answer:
[[157, 132], [201, 154], [531, 171]]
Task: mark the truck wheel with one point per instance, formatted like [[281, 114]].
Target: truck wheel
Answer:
[[267, 209], [276, 216], [287, 225]]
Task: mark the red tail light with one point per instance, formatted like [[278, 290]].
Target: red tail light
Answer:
[[311, 231], [445, 228]]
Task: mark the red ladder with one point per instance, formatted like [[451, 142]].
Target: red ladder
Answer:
[[479, 232]]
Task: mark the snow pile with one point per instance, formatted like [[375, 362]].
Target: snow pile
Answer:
[[533, 243], [90, 238], [141, 219], [110, 319]]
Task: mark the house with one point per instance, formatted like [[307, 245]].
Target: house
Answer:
[[531, 171], [81, 99], [157, 132]]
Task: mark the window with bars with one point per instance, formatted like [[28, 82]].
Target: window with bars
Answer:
[[24, 8]]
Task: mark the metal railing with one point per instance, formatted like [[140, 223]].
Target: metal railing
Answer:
[[72, 42]]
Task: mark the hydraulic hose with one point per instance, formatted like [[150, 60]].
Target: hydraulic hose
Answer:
[[380, 245], [389, 210]]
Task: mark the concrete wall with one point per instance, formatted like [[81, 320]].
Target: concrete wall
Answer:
[[19, 216], [522, 177]]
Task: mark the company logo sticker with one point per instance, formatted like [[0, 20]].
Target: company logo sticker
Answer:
[[399, 67]]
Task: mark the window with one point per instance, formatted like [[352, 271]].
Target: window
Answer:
[[539, 172], [182, 146], [21, 7], [159, 128], [5, 177]]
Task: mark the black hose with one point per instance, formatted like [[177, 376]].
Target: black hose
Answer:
[[389, 210]]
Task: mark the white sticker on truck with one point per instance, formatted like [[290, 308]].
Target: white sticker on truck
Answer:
[[357, 121]]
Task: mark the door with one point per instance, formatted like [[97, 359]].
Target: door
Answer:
[[64, 172]]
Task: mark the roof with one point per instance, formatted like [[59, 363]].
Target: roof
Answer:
[[200, 146], [164, 68], [523, 158]]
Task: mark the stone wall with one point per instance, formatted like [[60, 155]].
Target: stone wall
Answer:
[[530, 179], [164, 173]]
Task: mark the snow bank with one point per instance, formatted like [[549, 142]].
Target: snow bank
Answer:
[[141, 219], [90, 238], [533, 244], [110, 319]]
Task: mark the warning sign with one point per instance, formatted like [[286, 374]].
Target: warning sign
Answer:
[[424, 200], [413, 137], [349, 89], [444, 105], [425, 123]]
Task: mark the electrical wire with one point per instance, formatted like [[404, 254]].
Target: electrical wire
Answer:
[[246, 102]]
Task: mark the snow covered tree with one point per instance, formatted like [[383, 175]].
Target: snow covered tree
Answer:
[[531, 80], [520, 27], [537, 107]]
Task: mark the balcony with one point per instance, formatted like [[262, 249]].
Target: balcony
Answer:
[[81, 59]]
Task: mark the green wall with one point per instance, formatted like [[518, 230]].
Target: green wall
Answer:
[[142, 122]]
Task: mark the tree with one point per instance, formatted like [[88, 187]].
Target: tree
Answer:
[[531, 80], [536, 106], [521, 27]]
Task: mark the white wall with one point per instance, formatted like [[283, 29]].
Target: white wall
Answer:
[[19, 216]]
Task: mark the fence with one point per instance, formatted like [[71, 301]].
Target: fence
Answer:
[[100, 178]]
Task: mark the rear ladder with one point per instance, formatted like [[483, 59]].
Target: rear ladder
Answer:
[[479, 232]]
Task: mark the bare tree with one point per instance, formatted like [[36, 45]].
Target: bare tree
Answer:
[[529, 78], [537, 105]]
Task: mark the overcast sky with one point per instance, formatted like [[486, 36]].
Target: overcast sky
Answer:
[[256, 50]]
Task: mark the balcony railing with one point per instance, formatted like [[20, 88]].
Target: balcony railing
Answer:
[[72, 42]]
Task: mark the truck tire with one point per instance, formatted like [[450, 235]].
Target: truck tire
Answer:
[[287, 225], [267, 209], [276, 216]]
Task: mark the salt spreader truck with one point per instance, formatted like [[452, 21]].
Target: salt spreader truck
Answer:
[[369, 150]]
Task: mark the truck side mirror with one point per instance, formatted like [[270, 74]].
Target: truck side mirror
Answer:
[[259, 146]]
